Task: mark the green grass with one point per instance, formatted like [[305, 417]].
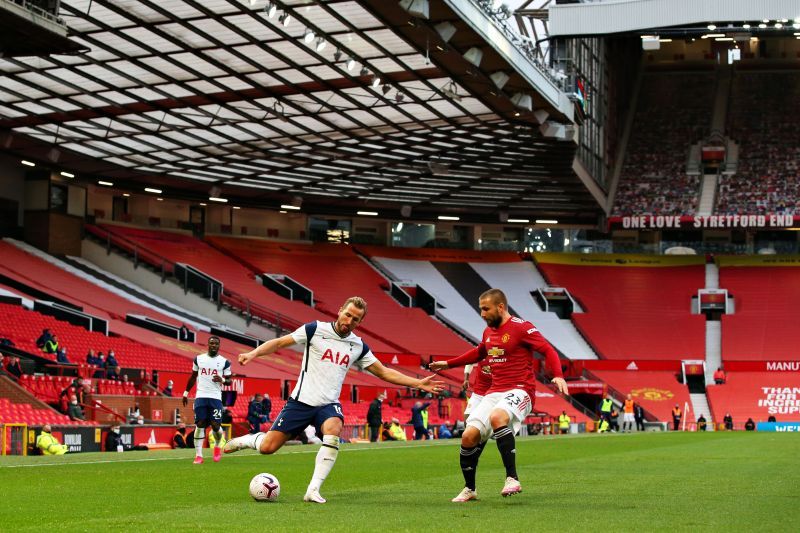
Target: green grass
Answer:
[[665, 482]]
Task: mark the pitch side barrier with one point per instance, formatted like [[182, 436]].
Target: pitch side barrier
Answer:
[[779, 427]]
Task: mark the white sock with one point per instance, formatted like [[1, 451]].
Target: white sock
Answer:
[[199, 437], [252, 440], [326, 458], [217, 437]]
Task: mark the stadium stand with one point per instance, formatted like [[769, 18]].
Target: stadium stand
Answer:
[[451, 277], [640, 312], [23, 327], [657, 392], [764, 325], [18, 406], [768, 174], [35, 272], [756, 395], [450, 304], [673, 112], [518, 280], [334, 272], [165, 248]]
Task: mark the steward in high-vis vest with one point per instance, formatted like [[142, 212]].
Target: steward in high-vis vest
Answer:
[[48, 444], [605, 409], [676, 417], [563, 422]]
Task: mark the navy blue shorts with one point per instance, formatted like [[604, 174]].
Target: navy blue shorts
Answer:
[[297, 416], [207, 409]]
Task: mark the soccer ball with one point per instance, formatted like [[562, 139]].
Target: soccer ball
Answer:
[[265, 488]]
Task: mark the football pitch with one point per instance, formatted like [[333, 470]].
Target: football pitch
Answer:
[[640, 482]]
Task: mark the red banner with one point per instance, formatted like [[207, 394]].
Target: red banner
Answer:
[[693, 369], [586, 387], [400, 359], [623, 364], [762, 366], [243, 385], [703, 222]]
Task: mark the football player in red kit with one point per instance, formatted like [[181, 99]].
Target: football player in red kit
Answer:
[[507, 345]]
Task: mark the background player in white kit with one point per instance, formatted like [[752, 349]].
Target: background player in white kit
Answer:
[[331, 349], [212, 372]]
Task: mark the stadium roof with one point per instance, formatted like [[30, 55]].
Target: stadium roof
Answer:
[[338, 104]]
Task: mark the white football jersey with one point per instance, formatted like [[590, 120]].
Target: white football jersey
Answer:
[[207, 367], [326, 359]]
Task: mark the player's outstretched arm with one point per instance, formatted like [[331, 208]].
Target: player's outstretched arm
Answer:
[[271, 346], [472, 356], [428, 384]]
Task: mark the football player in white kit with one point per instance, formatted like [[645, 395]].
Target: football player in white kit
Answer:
[[331, 349], [212, 372]]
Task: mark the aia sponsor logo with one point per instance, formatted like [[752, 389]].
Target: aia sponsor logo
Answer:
[[209, 372], [336, 358]]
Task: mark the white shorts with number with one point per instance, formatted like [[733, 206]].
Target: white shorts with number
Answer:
[[515, 402], [628, 417], [472, 403]]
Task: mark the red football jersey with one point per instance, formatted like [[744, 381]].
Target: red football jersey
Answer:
[[483, 379], [509, 352]]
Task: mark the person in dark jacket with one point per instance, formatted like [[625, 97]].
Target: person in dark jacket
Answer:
[[112, 366], [14, 369], [114, 441], [100, 364], [638, 416], [255, 414], [419, 419], [74, 410], [728, 421], [61, 357], [375, 417], [43, 338]]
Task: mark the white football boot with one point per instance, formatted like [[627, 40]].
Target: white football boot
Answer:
[[512, 486], [313, 496], [465, 495]]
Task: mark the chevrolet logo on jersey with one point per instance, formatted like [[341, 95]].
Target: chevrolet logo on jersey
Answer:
[[495, 351]]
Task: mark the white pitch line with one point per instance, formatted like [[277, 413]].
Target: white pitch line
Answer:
[[185, 458], [354, 448]]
